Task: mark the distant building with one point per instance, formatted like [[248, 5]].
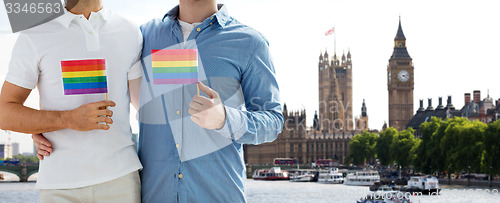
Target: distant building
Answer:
[[400, 83], [304, 145], [5, 151], [28, 154], [333, 125], [15, 148], [485, 111], [362, 122]]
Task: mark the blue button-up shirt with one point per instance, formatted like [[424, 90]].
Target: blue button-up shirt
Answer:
[[182, 161]]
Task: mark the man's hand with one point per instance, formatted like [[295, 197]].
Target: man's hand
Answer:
[[43, 146], [89, 116], [207, 113]]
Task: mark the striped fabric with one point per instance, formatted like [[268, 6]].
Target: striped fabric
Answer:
[[84, 76], [175, 66]]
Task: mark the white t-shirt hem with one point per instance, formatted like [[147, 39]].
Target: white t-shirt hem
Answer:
[[87, 183]]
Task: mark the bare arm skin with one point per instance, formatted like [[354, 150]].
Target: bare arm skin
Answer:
[[14, 116]]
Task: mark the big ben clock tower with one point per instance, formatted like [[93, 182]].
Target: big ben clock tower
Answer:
[[400, 83]]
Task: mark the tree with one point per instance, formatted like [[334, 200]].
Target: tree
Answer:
[[429, 147], [362, 148], [491, 163], [402, 146], [462, 144], [383, 146], [27, 159]]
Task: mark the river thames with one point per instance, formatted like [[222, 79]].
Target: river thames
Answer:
[[285, 191]]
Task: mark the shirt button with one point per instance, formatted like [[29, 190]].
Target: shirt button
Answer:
[[180, 175], [178, 112], [212, 18], [91, 32], [210, 23], [177, 145], [198, 29]]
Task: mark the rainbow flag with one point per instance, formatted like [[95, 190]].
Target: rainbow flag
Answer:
[[84, 76], [175, 66]]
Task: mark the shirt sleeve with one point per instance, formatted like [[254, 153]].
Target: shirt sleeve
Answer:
[[23, 67], [263, 119], [136, 69]]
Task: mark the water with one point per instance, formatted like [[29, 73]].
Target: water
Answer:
[[284, 191]]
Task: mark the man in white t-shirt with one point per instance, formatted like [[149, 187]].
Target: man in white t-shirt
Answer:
[[94, 158]]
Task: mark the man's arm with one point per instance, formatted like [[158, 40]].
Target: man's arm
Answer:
[[134, 87], [44, 147], [14, 116], [262, 121]]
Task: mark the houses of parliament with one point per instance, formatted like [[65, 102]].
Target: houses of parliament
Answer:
[[334, 125]]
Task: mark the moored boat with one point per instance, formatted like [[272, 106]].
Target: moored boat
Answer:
[[362, 178], [331, 176], [303, 175], [423, 184], [274, 173]]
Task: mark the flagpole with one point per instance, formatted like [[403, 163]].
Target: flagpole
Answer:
[[106, 98], [334, 40]]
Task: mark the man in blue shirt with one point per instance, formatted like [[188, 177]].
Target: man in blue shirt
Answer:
[[191, 147]]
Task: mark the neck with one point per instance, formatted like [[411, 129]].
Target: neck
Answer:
[[195, 11], [83, 7]]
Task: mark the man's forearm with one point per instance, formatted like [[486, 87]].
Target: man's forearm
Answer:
[[256, 127], [19, 118]]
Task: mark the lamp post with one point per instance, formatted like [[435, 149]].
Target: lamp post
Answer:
[[449, 174], [468, 177], [491, 176]]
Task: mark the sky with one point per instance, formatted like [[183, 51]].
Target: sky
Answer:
[[454, 46]]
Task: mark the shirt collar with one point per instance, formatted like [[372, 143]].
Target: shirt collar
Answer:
[[68, 17], [221, 16]]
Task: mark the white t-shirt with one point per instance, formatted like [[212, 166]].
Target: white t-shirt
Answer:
[[186, 29], [81, 159]]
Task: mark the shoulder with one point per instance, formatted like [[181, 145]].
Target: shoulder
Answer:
[[154, 25], [255, 39]]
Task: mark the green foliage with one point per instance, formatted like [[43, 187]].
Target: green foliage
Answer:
[[362, 148], [491, 163], [454, 145], [27, 159], [462, 144], [383, 146], [401, 147], [428, 148]]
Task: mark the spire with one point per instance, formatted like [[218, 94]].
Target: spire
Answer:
[[400, 51], [284, 108], [349, 53], [363, 109], [316, 121], [400, 35]]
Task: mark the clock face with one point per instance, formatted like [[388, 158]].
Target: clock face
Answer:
[[403, 76], [389, 76]]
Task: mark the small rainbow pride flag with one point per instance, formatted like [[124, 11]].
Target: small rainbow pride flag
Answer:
[[84, 76], [175, 66]]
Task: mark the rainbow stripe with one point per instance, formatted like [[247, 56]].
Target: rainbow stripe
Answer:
[[175, 66], [84, 76]]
